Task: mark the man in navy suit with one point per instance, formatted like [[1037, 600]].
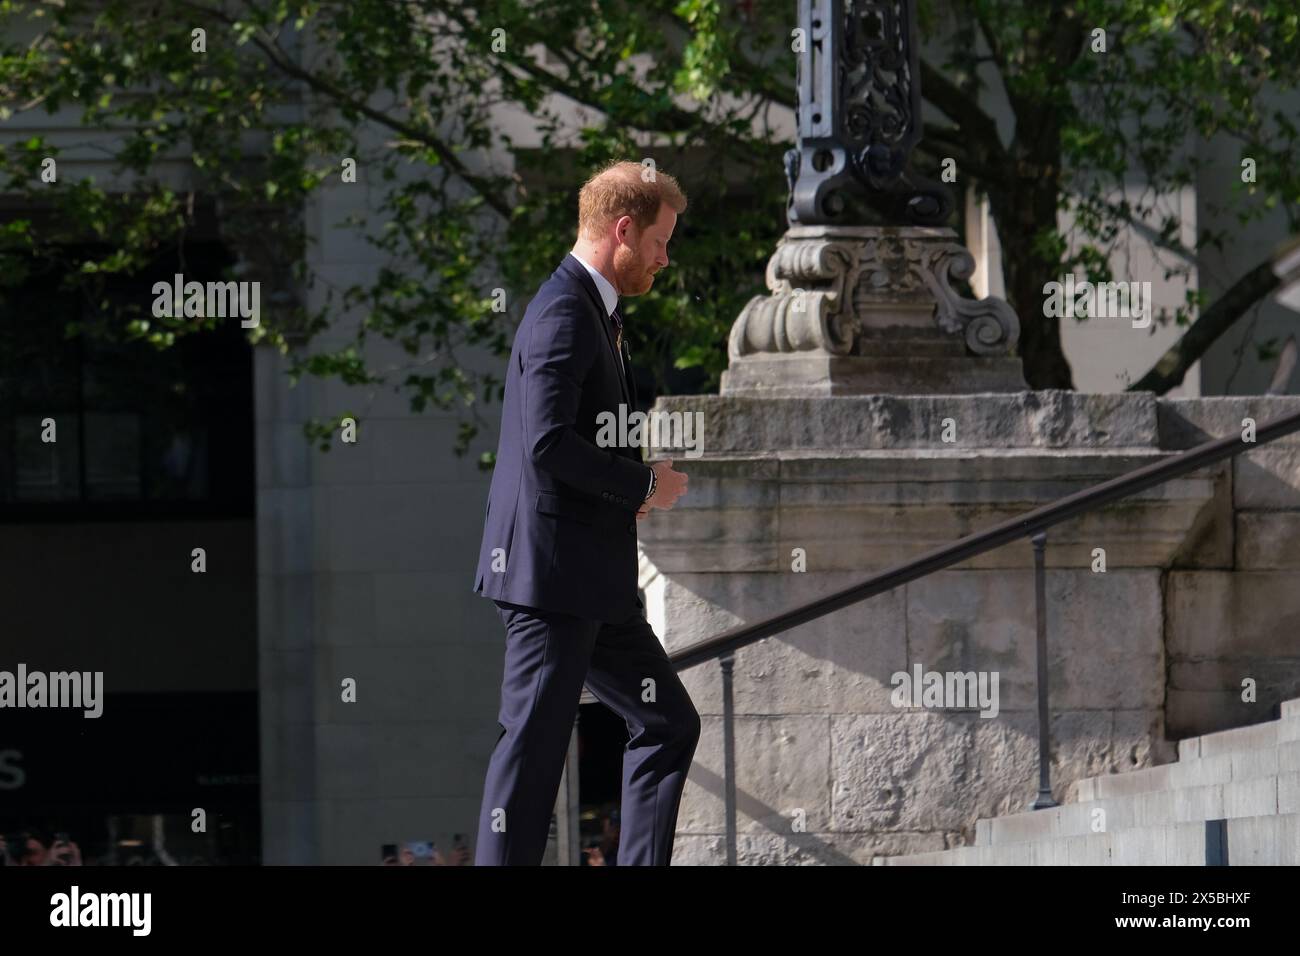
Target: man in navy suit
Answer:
[[559, 551]]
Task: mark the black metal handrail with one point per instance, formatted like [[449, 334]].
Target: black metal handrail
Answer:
[[974, 544], [1033, 524]]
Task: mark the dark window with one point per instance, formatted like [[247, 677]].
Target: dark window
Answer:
[[140, 431]]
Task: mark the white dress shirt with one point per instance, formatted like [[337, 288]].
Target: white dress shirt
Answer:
[[610, 299], [603, 285]]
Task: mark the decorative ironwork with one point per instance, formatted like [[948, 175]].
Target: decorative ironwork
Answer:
[[858, 115]]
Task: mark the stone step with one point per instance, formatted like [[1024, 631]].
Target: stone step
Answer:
[[1216, 763], [1270, 733], [1251, 841], [1260, 795], [1249, 776], [1186, 774]]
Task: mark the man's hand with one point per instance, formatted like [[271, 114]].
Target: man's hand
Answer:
[[670, 486]]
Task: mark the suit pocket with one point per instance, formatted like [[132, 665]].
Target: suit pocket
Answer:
[[549, 504]]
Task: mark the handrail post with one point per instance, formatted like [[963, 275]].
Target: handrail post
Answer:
[[1044, 798], [727, 660]]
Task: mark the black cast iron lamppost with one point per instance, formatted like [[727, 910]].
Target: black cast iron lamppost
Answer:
[[857, 308], [859, 115]]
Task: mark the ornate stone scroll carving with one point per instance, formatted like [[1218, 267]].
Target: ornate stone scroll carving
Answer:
[[832, 286]]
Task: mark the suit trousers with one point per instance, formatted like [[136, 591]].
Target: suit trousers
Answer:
[[548, 657]]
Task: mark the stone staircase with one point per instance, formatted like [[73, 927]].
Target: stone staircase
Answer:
[[1231, 797]]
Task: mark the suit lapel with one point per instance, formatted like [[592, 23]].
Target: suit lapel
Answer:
[[585, 279]]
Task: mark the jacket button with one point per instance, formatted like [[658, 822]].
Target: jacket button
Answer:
[[632, 527]]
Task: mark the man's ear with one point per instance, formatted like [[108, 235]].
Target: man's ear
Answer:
[[625, 230]]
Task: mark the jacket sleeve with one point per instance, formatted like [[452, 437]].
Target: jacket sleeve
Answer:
[[556, 357]]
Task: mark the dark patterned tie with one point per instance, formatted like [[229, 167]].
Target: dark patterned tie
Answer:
[[618, 330]]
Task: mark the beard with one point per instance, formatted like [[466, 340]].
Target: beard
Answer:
[[635, 275]]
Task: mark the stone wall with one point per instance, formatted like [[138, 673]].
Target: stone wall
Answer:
[[1232, 605], [1193, 597]]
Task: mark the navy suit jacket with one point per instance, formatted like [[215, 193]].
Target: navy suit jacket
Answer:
[[560, 528]]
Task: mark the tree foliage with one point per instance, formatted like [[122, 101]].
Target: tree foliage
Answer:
[[462, 218]]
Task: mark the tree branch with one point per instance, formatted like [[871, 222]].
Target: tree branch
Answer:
[[953, 102], [678, 119], [483, 186], [1169, 371]]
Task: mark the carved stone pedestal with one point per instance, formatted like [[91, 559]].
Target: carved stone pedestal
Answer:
[[860, 310]]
